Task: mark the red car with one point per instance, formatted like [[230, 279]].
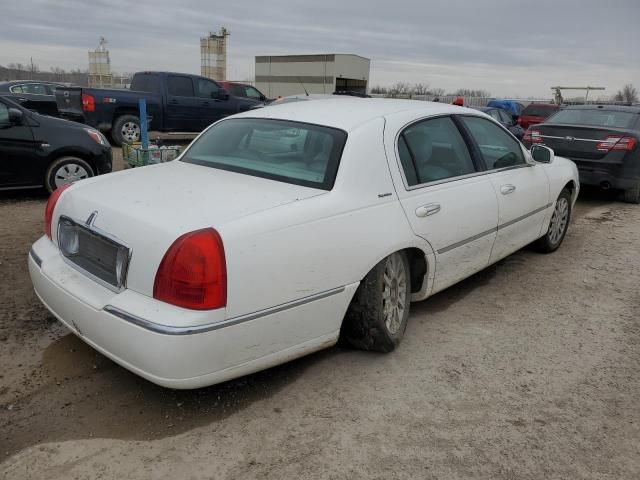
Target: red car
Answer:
[[536, 113], [243, 90]]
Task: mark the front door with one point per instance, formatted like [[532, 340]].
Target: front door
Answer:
[[212, 108], [522, 188], [447, 199], [17, 152]]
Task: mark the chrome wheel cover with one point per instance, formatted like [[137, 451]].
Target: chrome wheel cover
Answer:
[[69, 173], [394, 293], [559, 220], [130, 131]]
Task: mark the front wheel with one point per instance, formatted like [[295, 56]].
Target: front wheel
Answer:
[[558, 224], [66, 170], [377, 316]]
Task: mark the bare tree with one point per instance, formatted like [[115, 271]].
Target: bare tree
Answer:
[[377, 89], [400, 88], [628, 94], [466, 92], [420, 89], [438, 92]]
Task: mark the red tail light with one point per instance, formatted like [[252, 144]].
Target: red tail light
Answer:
[[51, 206], [616, 142], [193, 272], [533, 136], [88, 103]]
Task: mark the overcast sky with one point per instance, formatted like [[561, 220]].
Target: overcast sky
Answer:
[[507, 47]]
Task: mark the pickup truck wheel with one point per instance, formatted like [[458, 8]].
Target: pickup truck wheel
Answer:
[[558, 224], [377, 317], [632, 195], [126, 129], [66, 170]]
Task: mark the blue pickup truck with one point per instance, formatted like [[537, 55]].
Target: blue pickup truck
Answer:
[[176, 102]]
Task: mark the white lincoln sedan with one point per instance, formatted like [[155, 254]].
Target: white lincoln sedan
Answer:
[[279, 230]]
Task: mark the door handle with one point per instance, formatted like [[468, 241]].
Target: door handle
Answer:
[[429, 209], [507, 189]]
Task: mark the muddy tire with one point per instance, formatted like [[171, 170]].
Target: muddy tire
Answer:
[[66, 170], [126, 129], [632, 195], [558, 225], [377, 316]]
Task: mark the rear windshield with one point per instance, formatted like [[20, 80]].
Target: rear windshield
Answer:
[[539, 110], [291, 152], [595, 118]]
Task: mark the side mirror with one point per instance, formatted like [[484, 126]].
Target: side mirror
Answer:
[[263, 98], [15, 116], [542, 154]]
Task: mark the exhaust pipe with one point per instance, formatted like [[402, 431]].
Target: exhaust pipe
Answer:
[[605, 185]]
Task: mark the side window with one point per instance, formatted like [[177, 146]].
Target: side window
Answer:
[[498, 148], [506, 118], [237, 91], [180, 86], [4, 114], [206, 88], [36, 89], [433, 150], [17, 89], [251, 92], [495, 114]]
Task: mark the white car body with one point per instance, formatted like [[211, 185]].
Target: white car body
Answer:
[[295, 255]]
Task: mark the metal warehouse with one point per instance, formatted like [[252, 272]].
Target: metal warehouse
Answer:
[[282, 75]]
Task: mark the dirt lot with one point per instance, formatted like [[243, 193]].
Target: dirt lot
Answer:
[[528, 370]]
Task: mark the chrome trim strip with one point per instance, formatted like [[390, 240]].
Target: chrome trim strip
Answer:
[[35, 257], [488, 232], [574, 139], [516, 220], [467, 240], [190, 330]]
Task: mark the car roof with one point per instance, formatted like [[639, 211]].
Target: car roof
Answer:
[[621, 108], [349, 113], [20, 82]]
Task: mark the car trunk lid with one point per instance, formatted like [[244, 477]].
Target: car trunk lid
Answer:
[[576, 141], [147, 209]]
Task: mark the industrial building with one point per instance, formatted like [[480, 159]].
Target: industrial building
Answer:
[[213, 55], [283, 75], [100, 66]]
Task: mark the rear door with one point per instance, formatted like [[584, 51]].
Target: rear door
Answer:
[[17, 152], [522, 189], [183, 106], [447, 200]]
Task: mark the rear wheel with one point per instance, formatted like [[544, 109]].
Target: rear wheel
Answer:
[[632, 195], [126, 129], [66, 170], [377, 317], [558, 224]]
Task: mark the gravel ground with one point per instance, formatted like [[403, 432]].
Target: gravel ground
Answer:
[[527, 370]]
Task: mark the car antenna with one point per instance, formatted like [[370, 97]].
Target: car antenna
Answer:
[[305, 90]]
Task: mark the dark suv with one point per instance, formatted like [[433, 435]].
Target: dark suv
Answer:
[[603, 141]]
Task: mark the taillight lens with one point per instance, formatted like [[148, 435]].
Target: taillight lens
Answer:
[[193, 272], [88, 102], [617, 142], [533, 136], [51, 206]]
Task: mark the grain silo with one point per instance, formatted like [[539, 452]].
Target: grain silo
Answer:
[[100, 66], [213, 55]]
